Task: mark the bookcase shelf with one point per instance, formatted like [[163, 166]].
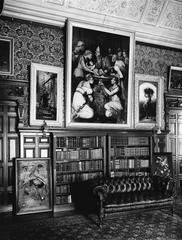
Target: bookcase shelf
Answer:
[[83, 155], [129, 153], [77, 156]]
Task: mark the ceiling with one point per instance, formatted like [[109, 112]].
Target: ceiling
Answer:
[[153, 21]]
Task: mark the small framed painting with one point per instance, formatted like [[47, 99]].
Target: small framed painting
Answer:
[[6, 56], [46, 95], [33, 185], [149, 102], [175, 78], [162, 164], [99, 76]]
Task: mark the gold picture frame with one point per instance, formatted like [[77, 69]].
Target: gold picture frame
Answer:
[[46, 95], [33, 185], [98, 109], [149, 102], [6, 56], [175, 79]]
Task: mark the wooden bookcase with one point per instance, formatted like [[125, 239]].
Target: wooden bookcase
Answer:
[[130, 153], [77, 156]]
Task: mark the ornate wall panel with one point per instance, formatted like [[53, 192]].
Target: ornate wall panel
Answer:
[[156, 60], [172, 17], [129, 9], [153, 11]]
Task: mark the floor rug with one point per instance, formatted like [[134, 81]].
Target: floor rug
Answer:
[[151, 225]]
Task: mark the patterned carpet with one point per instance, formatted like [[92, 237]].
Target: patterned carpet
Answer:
[[131, 226]]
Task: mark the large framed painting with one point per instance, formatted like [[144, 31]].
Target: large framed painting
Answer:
[[33, 185], [149, 101], [46, 95], [99, 76], [162, 164], [6, 55], [175, 79]]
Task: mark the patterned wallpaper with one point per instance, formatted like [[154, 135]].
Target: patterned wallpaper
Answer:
[[155, 60], [44, 44], [39, 43], [32, 43]]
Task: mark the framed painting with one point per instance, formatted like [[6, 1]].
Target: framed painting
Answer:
[[6, 56], [175, 79], [162, 164], [149, 102], [99, 76], [46, 95], [33, 185]]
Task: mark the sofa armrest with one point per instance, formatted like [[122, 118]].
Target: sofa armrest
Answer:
[[170, 189], [100, 192]]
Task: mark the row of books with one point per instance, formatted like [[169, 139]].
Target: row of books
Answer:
[[136, 151], [127, 173], [63, 189], [129, 163], [81, 154], [91, 165], [72, 177], [129, 141], [142, 141], [60, 200], [129, 151], [79, 142], [117, 140]]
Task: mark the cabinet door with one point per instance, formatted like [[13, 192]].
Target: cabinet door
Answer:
[[9, 149]]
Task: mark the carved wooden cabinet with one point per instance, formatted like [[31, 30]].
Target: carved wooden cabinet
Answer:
[[34, 144], [9, 149], [174, 139]]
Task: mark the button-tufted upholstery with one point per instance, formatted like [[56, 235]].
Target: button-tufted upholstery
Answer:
[[132, 192]]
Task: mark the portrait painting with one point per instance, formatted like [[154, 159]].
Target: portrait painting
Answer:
[[46, 95], [149, 101], [175, 79], [33, 185], [99, 76], [6, 56]]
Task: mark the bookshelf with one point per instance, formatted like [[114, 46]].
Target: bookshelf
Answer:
[[77, 156], [129, 154]]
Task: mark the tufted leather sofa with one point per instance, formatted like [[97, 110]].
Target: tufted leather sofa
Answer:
[[132, 192]]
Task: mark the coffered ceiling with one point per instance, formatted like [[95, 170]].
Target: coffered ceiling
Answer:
[[153, 21]]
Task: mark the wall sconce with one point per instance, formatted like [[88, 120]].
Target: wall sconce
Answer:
[[156, 130], [21, 112], [156, 134], [159, 130], [44, 129]]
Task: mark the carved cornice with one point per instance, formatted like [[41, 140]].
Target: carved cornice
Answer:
[[154, 21]]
